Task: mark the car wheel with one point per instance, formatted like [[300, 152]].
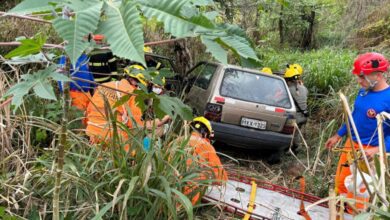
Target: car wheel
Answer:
[[274, 157]]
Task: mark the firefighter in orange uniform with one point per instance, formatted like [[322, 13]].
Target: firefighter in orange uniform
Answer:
[[99, 128], [205, 154]]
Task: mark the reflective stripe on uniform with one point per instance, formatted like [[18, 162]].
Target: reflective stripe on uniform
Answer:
[[97, 64]]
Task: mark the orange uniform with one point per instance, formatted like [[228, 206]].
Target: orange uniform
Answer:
[[207, 156], [99, 128], [343, 169], [80, 100]]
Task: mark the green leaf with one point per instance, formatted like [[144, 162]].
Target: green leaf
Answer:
[[44, 90], [121, 101], [124, 31], [211, 15], [202, 2], [215, 49], [38, 81], [185, 202], [239, 46], [130, 189], [60, 77], [107, 207], [30, 6], [170, 105], [363, 216], [168, 11], [74, 31], [81, 5], [383, 214], [28, 47], [283, 2], [250, 63], [168, 193], [2, 211]]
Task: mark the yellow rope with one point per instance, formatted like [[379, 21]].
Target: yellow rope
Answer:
[[251, 201]]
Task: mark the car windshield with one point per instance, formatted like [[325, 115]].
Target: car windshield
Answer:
[[254, 87]]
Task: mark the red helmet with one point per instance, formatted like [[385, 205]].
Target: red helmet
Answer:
[[370, 62], [98, 37]]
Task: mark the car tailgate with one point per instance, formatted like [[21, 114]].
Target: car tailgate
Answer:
[[256, 115]]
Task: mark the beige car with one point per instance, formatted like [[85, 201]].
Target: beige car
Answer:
[[247, 108]]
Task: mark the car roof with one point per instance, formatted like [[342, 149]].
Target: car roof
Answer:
[[227, 66]]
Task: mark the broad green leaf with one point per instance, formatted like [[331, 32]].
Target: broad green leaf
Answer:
[[250, 63], [38, 81], [168, 11], [124, 31], [215, 49], [81, 5], [239, 45], [170, 105], [30, 6], [202, 2], [44, 90], [28, 47], [60, 77], [232, 29], [74, 31]]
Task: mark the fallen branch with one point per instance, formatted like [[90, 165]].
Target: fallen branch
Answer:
[[5, 14], [5, 103], [16, 43]]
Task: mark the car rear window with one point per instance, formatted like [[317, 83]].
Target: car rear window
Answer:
[[254, 87]]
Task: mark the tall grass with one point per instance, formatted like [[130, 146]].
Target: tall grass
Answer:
[[97, 182], [148, 185], [325, 70]]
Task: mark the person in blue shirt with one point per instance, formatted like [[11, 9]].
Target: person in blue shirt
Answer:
[[80, 91], [373, 98]]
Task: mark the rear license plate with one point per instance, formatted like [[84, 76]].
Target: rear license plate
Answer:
[[252, 123]]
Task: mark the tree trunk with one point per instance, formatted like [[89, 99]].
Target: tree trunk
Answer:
[[256, 33], [281, 34], [308, 34], [183, 59]]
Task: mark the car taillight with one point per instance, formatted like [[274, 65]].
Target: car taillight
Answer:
[[213, 112], [280, 110], [219, 99], [289, 126]]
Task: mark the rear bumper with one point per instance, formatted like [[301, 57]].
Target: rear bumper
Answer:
[[250, 138]]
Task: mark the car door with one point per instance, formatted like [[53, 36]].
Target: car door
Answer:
[[200, 78]]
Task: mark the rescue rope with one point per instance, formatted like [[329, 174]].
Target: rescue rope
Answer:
[[252, 200]]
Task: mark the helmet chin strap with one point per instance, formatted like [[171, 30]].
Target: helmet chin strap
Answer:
[[371, 86]]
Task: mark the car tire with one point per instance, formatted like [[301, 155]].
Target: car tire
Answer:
[[274, 157]]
